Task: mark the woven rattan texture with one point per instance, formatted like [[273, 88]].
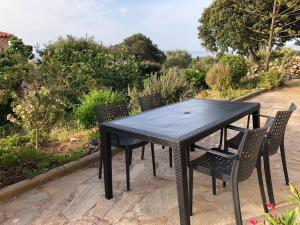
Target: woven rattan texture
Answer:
[[148, 102]]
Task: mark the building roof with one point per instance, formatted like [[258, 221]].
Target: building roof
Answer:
[[5, 35]]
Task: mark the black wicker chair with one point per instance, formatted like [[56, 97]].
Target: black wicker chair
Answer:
[[274, 141], [149, 102], [228, 166], [116, 111]]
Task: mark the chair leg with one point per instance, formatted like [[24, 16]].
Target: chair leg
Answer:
[[100, 164], [170, 156], [224, 183], [214, 188], [130, 157], [127, 162], [192, 148], [268, 178], [191, 190], [282, 152], [153, 159], [236, 203], [261, 185], [143, 153]]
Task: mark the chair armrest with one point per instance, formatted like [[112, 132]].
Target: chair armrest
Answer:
[[215, 152], [265, 116], [240, 129]]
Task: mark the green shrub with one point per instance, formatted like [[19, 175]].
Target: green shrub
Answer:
[[7, 159], [149, 67], [271, 79], [218, 77], [86, 112], [205, 63], [13, 141], [171, 84], [238, 67], [196, 77]]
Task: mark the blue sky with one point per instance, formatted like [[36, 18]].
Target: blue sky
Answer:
[[171, 24]]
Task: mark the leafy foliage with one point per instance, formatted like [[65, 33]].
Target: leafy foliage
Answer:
[[245, 26], [86, 112], [149, 68], [196, 77], [171, 84], [38, 111], [82, 65], [288, 218], [219, 77], [13, 65], [271, 79], [238, 67], [144, 49], [178, 58], [203, 63]]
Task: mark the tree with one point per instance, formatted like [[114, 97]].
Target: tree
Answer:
[[82, 65], [246, 26], [39, 105], [285, 24], [178, 58], [144, 49], [14, 62]]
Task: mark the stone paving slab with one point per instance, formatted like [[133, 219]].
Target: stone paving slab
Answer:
[[78, 198]]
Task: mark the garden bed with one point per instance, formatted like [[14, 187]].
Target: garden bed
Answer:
[[19, 160]]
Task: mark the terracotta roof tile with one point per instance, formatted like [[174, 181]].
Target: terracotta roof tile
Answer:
[[5, 35]]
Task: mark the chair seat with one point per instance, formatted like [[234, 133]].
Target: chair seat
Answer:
[[213, 165], [128, 142], [235, 141]]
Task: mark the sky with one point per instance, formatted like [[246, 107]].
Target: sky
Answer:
[[171, 24]]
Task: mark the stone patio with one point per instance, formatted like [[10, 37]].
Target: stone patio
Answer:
[[79, 199]]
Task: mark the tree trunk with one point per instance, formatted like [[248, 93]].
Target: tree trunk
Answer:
[[252, 56], [37, 139], [271, 36]]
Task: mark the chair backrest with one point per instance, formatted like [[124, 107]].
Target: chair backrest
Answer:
[[107, 112], [249, 151], [277, 130], [148, 102]]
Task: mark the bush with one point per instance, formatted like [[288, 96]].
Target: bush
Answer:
[[271, 79], [178, 58], [86, 112], [171, 84], [196, 77], [218, 77], [238, 67], [205, 62], [149, 67]]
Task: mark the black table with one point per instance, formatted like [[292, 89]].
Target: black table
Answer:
[[178, 126]]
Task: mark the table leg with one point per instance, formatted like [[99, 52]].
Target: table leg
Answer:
[[182, 184], [256, 119], [107, 161]]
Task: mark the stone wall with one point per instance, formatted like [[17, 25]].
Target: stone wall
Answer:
[[289, 67]]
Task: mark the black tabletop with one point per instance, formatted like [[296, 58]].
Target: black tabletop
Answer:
[[185, 119]]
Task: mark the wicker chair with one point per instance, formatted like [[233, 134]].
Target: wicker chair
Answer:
[[149, 102], [274, 141], [116, 111], [229, 166]]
